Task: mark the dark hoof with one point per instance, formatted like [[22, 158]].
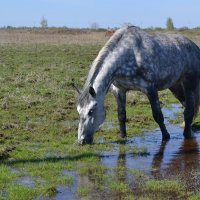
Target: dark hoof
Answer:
[[123, 135], [187, 136], [187, 133], [85, 141], [166, 137]]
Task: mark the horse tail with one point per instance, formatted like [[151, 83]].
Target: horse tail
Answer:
[[197, 99]]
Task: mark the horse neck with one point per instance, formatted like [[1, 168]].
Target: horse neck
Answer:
[[104, 78], [110, 61]]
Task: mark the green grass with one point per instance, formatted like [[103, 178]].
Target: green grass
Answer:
[[39, 129], [160, 188], [120, 187], [6, 176], [164, 186], [19, 192], [195, 197], [83, 191], [137, 173]]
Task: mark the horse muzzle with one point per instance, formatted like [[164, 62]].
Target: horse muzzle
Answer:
[[85, 140]]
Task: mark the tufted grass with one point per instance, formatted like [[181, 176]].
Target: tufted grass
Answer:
[[39, 120]]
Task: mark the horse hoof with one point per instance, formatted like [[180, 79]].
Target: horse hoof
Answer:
[[166, 137], [123, 135], [187, 136]]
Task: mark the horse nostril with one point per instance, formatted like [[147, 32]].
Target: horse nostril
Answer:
[[85, 140], [82, 141], [90, 140]]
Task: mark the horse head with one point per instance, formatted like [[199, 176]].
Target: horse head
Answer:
[[92, 115]]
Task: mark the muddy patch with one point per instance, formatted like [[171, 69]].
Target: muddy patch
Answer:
[[142, 166], [133, 163], [147, 144], [177, 159]]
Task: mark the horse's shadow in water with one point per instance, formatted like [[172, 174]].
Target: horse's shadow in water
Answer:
[[182, 163]]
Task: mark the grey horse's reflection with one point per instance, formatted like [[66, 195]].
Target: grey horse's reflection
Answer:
[[121, 165], [183, 163]]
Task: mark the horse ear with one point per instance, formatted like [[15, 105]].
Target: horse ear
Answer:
[[92, 92], [75, 87]]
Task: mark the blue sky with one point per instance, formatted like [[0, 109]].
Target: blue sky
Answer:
[[106, 13]]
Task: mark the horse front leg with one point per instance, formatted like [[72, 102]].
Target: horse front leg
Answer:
[[157, 113], [120, 96]]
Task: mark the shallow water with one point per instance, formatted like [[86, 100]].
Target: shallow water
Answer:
[[176, 159], [176, 153], [27, 181], [68, 192], [151, 141]]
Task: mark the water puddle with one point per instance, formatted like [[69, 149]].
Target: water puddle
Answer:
[[68, 192], [176, 159], [149, 142], [27, 181]]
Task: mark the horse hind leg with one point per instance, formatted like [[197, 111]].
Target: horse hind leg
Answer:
[[191, 87], [152, 95]]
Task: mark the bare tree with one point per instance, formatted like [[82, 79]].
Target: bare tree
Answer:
[[94, 26], [44, 22]]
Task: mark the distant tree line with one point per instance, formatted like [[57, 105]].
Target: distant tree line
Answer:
[[95, 26], [169, 24], [44, 22]]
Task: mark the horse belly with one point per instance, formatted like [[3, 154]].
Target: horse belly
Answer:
[[160, 80], [168, 78], [130, 83]]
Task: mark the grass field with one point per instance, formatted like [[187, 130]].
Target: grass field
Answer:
[[38, 122]]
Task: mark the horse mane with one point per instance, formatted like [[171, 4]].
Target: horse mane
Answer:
[[97, 63], [84, 97], [104, 52]]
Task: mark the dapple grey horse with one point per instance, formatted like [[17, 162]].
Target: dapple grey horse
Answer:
[[133, 59]]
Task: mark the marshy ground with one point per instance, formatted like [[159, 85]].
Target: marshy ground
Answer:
[[38, 121]]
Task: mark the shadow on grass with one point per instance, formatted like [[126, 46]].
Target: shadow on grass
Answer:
[[51, 159], [69, 158]]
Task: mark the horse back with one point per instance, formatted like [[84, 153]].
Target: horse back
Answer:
[[165, 57]]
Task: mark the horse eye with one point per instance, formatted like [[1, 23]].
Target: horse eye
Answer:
[[90, 112]]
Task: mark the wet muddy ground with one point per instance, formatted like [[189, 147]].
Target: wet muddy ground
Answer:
[[39, 127], [177, 159]]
